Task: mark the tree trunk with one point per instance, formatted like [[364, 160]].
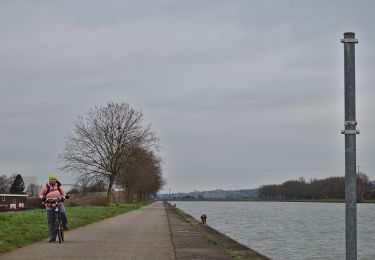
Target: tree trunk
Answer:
[[130, 195], [129, 198], [114, 197], [109, 191]]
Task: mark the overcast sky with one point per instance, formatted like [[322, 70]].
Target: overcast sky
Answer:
[[240, 93]]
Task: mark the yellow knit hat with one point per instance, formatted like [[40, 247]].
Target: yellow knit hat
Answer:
[[52, 176]]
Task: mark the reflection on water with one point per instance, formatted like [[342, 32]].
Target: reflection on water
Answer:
[[289, 230]]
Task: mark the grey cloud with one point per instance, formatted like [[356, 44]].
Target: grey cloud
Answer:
[[226, 85]]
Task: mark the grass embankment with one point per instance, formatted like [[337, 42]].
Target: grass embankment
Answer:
[[18, 229]]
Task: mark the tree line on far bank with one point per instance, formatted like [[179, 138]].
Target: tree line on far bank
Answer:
[[329, 188], [112, 148]]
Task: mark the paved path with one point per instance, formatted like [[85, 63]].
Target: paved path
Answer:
[[137, 235]]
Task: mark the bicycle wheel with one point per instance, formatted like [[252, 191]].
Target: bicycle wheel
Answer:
[[61, 231], [59, 228]]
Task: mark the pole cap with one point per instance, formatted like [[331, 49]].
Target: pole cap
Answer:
[[349, 37]]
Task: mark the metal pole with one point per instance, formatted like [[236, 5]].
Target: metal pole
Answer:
[[350, 147]]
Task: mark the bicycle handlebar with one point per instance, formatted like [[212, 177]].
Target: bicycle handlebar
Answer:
[[55, 200]]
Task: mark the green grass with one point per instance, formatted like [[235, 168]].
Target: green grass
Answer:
[[18, 229]]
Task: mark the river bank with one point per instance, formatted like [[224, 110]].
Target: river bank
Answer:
[[190, 239]]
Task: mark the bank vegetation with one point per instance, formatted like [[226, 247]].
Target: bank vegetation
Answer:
[[332, 188]]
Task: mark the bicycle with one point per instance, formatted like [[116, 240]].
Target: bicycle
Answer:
[[59, 228]]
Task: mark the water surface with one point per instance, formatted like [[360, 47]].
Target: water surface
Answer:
[[289, 230]]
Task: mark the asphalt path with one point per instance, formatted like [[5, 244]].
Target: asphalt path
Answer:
[[139, 234]]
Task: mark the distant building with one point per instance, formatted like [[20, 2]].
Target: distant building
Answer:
[[27, 180], [188, 197], [31, 186], [12, 201]]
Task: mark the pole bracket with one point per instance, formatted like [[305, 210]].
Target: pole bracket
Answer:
[[349, 40], [350, 132], [350, 128]]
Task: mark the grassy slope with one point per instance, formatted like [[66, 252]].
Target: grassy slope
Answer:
[[21, 228]]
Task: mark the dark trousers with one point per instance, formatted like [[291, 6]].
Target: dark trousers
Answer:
[[51, 220]]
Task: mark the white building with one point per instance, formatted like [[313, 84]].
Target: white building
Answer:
[[27, 180]]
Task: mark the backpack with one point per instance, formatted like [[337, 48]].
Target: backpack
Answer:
[[49, 188]]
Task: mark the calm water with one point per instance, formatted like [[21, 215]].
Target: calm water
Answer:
[[289, 230]]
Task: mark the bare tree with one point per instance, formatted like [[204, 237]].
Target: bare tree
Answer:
[[4, 187], [100, 141], [129, 172], [329, 188], [6, 183], [149, 180], [363, 187], [141, 174]]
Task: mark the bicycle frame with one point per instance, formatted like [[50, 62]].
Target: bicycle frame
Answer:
[[57, 216]]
